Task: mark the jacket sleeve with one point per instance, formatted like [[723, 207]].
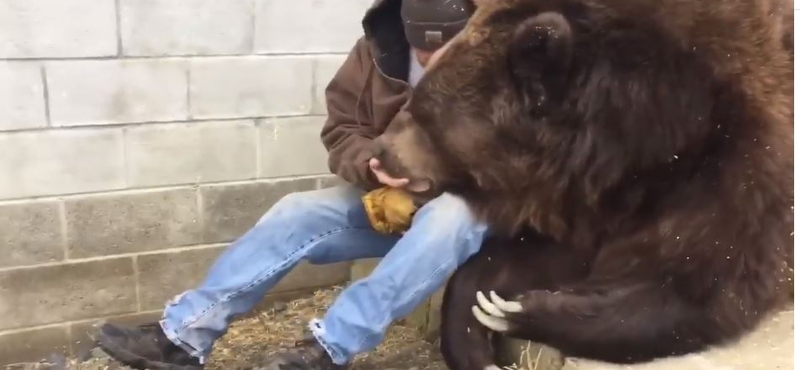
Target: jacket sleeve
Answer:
[[346, 135]]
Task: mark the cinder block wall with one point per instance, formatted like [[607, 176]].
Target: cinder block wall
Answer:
[[138, 138]]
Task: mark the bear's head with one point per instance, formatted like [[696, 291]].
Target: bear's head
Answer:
[[545, 108]]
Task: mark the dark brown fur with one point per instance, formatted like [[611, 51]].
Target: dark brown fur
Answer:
[[635, 158]]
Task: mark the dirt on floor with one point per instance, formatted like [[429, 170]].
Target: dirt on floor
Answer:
[[249, 341]]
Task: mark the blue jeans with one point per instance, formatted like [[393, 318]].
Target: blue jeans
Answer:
[[329, 226]]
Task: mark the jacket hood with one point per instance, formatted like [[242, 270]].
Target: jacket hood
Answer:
[[383, 29]]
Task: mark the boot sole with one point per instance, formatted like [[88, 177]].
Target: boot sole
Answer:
[[135, 361]]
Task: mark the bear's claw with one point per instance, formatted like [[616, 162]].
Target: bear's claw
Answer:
[[492, 313], [489, 307], [491, 322], [507, 306]]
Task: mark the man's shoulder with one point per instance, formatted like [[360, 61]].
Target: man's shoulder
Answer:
[[362, 46]]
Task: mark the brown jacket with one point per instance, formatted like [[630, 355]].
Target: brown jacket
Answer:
[[366, 93]]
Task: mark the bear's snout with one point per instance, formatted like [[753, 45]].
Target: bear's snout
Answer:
[[390, 162]]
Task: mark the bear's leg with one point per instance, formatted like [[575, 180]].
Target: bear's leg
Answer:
[[510, 268], [466, 344], [624, 324]]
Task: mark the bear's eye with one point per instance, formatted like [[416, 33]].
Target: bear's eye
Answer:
[[540, 98], [534, 97]]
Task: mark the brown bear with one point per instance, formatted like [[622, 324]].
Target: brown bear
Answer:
[[635, 161]]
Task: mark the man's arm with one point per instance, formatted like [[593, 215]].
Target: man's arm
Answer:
[[346, 135]]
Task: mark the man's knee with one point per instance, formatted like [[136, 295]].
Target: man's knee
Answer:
[[289, 205], [448, 209], [450, 215], [301, 200]]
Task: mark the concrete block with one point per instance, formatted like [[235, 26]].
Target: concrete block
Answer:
[[419, 317], [308, 25], [56, 293], [187, 27], [30, 233], [363, 267], [33, 345], [325, 67], [232, 87], [22, 104], [306, 275], [191, 152], [96, 92], [163, 275], [81, 332], [434, 323], [57, 29], [116, 223], [330, 181], [228, 211], [292, 147], [60, 162]]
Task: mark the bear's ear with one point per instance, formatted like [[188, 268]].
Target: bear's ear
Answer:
[[541, 49]]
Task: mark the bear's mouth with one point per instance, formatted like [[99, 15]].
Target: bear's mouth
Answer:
[[393, 166], [419, 186], [422, 191]]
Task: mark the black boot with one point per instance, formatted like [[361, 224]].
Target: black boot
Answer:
[[145, 347], [307, 354]]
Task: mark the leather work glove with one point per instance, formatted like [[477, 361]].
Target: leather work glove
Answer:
[[390, 210]]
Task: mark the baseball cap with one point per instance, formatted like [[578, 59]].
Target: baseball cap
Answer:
[[429, 24]]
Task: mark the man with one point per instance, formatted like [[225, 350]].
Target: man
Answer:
[[328, 226]]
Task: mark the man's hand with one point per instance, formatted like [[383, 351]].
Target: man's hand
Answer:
[[383, 177]]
